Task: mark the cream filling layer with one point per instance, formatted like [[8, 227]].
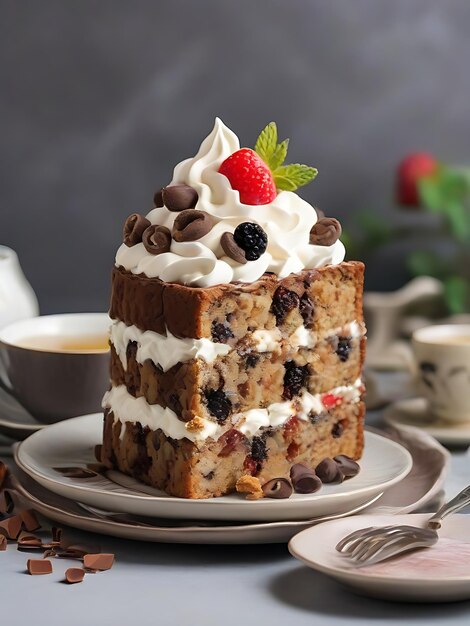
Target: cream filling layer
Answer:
[[168, 350], [127, 408]]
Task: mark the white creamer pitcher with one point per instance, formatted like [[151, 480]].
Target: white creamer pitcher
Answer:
[[17, 298]]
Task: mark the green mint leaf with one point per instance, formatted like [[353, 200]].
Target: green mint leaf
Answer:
[[424, 263], [266, 143], [291, 177], [279, 155]]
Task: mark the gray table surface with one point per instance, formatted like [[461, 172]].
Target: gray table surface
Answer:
[[166, 585]]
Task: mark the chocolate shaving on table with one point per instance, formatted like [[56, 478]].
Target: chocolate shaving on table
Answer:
[[27, 541], [7, 504], [3, 543], [192, 225], [325, 232], [100, 562], [179, 197], [328, 471], [75, 472], [304, 479], [29, 519], [74, 575], [11, 527], [56, 535], [347, 465], [3, 473], [157, 239], [134, 228], [39, 566], [232, 249], [278, 488]]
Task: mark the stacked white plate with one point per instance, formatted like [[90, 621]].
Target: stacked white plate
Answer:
[[115, 504]]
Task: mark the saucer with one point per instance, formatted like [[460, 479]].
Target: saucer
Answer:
[[71, 443], [437, 574], [414, 412]]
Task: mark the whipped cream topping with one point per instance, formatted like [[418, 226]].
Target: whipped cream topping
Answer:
[[287, 222], [163, 350], [127, 408], [168, 350]]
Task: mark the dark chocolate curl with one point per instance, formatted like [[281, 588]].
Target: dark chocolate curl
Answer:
[[157, 239], [279, 488], [158, 199], [134, 228], [328, 471], [232, 249], [191, 225], [325, 232], [179, 197], [304, 479]]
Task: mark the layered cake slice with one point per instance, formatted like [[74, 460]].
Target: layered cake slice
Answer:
[[237, 341]]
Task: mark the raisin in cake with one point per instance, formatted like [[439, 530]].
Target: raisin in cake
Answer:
[[238, 339]]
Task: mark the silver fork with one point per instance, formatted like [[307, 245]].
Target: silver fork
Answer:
[[374, 544]]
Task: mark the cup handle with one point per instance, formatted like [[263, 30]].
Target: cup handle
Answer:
[[405, 352]]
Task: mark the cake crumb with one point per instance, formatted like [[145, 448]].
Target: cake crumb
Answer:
[[251, 486], [195, 425]]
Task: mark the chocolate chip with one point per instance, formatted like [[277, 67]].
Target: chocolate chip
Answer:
[[74, 575], [347, 465], [158, 199], [232, 249], [278, 488], [99, 562], [337, 430], [328, 471], [39, 566], [27, 541], [191, 225], [307, 310], [157, 239], [304, 479], [325, 232], [134, 228], [179, 197]]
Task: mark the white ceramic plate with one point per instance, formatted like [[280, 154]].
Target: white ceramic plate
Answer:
[[438, 574], [414, 412], [72, 441], [64, 511]]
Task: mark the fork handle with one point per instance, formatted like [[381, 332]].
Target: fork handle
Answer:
[[459, 502]]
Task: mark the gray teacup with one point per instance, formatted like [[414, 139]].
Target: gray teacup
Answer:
[[52, 365]]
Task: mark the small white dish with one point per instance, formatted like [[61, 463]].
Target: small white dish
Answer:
[[437, 574], [415, 413], [71, 443]]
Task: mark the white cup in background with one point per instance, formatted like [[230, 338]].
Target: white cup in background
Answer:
[[442, 360]]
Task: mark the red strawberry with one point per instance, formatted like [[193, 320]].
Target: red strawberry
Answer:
[[250, 176], [410, 170]]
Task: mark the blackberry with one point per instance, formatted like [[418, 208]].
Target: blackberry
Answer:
[[218, 404], [295, 378], [252, 240], [284, 301], [221, 333], [258, 449], [344, 348], [307, 310]]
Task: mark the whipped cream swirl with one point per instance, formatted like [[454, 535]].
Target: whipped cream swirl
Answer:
[[287, 222]]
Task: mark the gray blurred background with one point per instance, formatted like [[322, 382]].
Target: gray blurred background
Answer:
[[100, 99]]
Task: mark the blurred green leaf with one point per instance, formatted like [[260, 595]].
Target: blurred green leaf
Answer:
[[376, 230], [430, 193], [456, 293], [425, 263]]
